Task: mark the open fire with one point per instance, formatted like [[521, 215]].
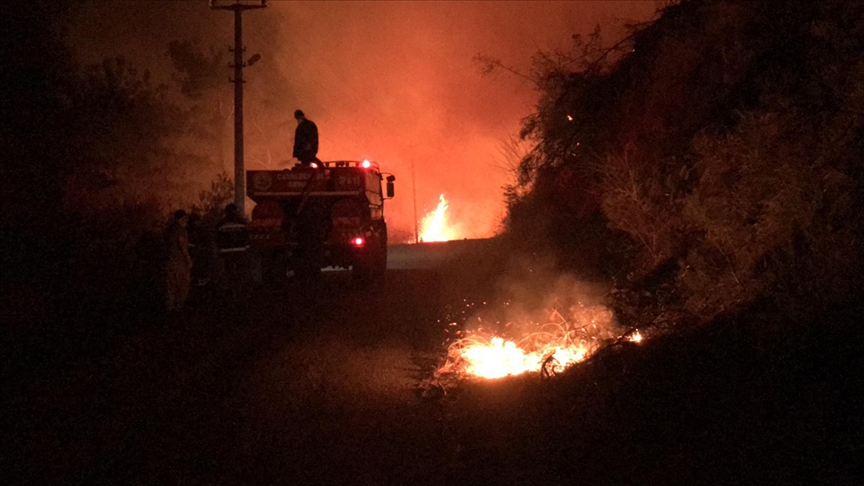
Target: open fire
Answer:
[[498, 358], [435, 225], [547, 348]]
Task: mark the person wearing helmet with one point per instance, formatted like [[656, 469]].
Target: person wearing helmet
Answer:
[[305, 139]]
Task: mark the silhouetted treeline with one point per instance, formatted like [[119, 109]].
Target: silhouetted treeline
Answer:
[[94, 159], [724, 140]]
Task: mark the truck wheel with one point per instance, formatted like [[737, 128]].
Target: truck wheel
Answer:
[[361, 270], [307, 268], [372, 267], [274, 267], [380, 265]]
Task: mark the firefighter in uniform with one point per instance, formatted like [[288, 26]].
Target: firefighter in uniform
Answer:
[[179, 264], [232, 240], [305, 139]]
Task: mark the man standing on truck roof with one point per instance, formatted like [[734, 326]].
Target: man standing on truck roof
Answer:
[[305, 139]]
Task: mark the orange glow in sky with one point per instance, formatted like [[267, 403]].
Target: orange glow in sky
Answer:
[[395, 82]]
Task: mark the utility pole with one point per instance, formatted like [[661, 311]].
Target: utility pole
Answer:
[[238, 7], [414, 189]]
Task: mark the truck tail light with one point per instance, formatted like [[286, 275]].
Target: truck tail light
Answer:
[[358, 241]]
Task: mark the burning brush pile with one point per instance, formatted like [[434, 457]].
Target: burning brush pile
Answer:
[[545, 343]]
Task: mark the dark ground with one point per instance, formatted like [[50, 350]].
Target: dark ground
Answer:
[[287, 386]]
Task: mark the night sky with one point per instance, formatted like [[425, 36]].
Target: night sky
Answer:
[[395, 82]]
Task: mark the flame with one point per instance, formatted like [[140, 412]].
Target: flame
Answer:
[[434, 226], [551, 349], [499, 358]]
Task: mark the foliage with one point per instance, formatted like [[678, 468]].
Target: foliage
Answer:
[[723, 140], [126, 124], [211, 202], [197, 72], [95, 158]]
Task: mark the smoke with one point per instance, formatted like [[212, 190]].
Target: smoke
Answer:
[[388, 81], [534, 287], [540, 320]]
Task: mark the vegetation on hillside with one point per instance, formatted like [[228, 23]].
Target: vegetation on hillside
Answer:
[[723, 140]]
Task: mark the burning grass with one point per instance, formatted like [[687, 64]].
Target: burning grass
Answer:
[[548, 346], [435, 226]]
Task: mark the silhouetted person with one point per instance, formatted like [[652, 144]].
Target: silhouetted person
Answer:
[[305, 139], [201, 248], [232, 239], [179, 264]]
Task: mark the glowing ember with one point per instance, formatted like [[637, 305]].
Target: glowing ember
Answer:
[[636, 337], [435, 226]]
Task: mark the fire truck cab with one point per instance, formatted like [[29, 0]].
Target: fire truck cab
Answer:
[[328, 214]]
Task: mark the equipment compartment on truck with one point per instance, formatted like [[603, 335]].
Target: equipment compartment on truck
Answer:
[[324, 215]]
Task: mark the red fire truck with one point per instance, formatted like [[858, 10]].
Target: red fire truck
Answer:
[[328, 214]]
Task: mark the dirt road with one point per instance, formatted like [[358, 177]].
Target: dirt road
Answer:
[[289, 385], [318, 385]]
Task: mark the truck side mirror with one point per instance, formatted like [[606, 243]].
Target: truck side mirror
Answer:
[[390, 188]]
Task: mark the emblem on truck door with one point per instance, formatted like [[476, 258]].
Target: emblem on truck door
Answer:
[[262, 181]]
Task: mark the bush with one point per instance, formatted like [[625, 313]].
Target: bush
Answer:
[[724, 140]]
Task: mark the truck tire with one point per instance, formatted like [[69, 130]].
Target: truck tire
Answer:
[[379, 268], [307, 265], [372, 267], [274, 267]]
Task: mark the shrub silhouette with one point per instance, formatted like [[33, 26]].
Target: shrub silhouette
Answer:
[[722, 139]]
